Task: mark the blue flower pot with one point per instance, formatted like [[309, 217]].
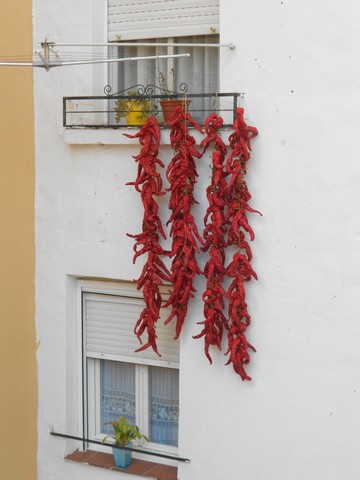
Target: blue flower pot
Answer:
[[122, 458]]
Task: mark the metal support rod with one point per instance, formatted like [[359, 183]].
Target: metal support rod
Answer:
[[128, 59], [64, 112], [45, 47], [138, 450], [145, 44], [59, 63], [19, 64], [44, 58]]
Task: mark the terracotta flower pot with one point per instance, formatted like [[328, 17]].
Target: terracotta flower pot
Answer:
[[168, 107]]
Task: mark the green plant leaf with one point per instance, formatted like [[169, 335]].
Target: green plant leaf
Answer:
[[124, 432]]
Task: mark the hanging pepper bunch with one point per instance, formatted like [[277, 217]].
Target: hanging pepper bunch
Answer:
[[239, 268], [215, 241], [149, 184], [181, 174], [226, 225]]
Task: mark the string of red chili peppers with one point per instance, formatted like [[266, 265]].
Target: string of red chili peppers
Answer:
[[215, 241], [239, 269], [181, 174], [235, 196], [149, 184]]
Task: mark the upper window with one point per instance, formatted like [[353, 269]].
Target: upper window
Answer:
[[144, 28], [164, 22], [200, 71], [118, 381]]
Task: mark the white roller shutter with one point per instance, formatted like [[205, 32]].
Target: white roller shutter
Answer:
[[109, 322], [140, 19]]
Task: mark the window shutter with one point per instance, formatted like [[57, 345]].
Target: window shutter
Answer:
[[109, 322], [140, 19]]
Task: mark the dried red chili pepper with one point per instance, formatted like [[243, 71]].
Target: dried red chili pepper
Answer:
[[181, 174], [214, 235], [149, 184], [239, 268]]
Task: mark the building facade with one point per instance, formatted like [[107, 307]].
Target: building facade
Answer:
[[299, 415]]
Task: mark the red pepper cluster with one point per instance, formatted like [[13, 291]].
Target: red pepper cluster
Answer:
[[149, 184], [215, 241], [181, 174], [239, 269], [226, 225]]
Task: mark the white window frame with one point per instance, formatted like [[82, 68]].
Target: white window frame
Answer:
[[168, 65], [92, 403], [104, 76]]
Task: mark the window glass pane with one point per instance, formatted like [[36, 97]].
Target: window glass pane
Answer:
[[117, 393], [164, 405], [200, 71], [129, 74]]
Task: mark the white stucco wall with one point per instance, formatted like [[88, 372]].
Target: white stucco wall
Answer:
[[299, 418]]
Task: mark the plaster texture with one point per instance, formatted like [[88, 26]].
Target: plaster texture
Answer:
[[300, 416]]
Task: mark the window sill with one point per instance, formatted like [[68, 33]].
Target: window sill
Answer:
[[137, 467], [109, 136]]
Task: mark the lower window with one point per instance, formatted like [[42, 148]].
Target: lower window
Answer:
[[117, 381]]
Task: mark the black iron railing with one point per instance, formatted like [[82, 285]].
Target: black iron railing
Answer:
[[111, 110], [86, 441]]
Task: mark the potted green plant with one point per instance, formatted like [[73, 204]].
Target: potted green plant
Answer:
[[137, 109], [168, 105], [124, 434]]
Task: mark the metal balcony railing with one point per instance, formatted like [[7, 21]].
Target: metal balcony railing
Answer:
[[110, 110]]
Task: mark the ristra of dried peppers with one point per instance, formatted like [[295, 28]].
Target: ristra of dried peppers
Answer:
[[181, 174], [239, 268], [149, 184], [215, 241]]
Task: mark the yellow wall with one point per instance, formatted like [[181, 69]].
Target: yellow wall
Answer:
[[18, 383]]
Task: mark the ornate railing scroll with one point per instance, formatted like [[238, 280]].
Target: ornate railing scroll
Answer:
[[147, 91]]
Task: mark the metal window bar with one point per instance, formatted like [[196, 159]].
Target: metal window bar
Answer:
[[47, 47], [137, 450], [84, 111], [142, 44], [48, 63]]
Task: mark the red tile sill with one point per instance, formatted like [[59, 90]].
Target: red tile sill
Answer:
[[137, 467]]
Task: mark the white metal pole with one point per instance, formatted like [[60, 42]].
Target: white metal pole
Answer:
[[59, 63], [19, 64], [144, 44], [128, 59]]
